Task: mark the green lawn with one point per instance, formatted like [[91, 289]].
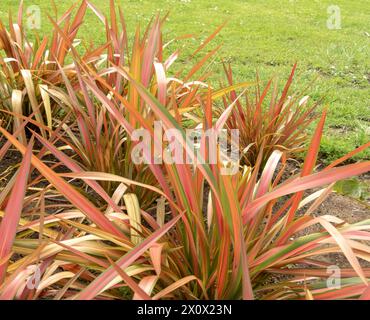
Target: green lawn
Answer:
[[270, 36]]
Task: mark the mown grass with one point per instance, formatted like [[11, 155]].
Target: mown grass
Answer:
[[269, 36]]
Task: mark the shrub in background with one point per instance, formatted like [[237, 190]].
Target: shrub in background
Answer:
[[269, 120]]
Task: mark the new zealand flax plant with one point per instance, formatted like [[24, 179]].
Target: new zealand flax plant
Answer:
[[253, 234], [29, 65], [95, 136], [268, 119], [226, 235]]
